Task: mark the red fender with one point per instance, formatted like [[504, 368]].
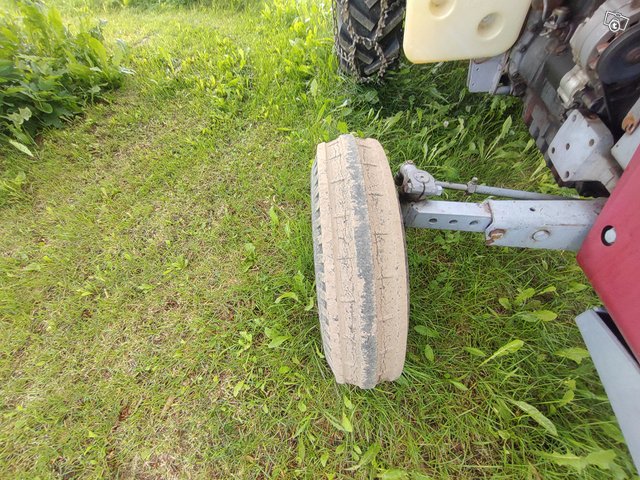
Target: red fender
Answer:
[[614, 270]]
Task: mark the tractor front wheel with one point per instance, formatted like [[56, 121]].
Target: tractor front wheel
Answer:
[[360, 262]]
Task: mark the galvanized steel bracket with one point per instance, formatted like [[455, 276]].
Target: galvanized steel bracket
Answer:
[[542, 224], [547, 224]]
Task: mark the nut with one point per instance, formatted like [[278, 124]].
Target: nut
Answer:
[[629, 123], [496, 234]]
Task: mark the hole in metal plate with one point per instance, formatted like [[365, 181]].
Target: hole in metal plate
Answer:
[[609, 235]]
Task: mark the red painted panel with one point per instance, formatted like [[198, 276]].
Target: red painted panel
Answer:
[[614, 270]]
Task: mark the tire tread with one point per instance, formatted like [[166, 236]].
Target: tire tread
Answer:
[[361, 272], [364, 17]]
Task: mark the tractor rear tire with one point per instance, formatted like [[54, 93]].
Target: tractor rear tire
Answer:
[[368, 35], [360, 262]]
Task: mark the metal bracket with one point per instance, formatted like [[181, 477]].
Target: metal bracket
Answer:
[[632, 119], [544, 224], [442, 215], [484, 74], [581, 151], [630, 141], [619, 373], [573, 82], [550, 224]]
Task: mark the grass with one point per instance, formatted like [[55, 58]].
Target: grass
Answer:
[[157, 292]]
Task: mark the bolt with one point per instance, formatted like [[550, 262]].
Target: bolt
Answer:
[[496, 234], [629, 123], [609, 236], [541, 235]]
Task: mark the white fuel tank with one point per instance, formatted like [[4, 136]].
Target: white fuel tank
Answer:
[[440, 30]]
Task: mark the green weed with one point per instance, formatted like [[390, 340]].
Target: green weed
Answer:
[[48, 74]]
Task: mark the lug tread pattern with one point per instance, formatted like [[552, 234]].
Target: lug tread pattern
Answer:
[[358, 30]]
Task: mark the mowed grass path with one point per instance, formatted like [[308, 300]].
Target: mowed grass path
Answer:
[[156, 279]]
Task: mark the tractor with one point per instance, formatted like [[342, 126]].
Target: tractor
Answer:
[[576, 66]]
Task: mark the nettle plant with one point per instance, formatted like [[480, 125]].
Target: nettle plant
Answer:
[[47, 73]]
